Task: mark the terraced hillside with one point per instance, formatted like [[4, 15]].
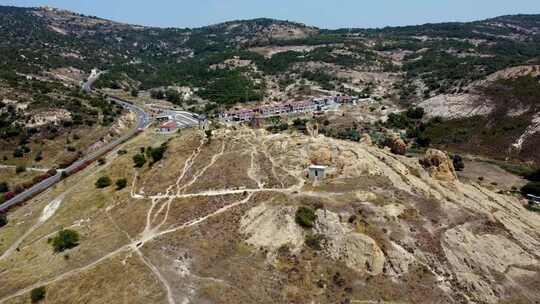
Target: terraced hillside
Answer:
[[218, 221]]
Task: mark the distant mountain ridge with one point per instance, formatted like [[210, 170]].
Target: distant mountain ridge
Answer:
[[266, 59]]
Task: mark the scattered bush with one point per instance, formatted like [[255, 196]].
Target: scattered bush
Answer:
[[18, 152], [157, 153], [3, 219], [139, 160], [534, 176], [39, 156], [121, 184], [531, 188], [37, 294], [121, 152], [4, 187], [458, 163], [101, 161], [208, 135], [284, 250], [305, 217], [20, 169], [103, 182], [315, 241], [64, 240], [415, 113], [157, 94]]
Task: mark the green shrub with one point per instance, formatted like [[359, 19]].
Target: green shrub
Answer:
[[157, 153], [208, 134], [121, 184], [103, 182], [139, 160], [65, 239], [458, 163], [531, 188], [20, 169], [37, 294], [18, 152], [305, 217], [315, 241], [415, 113], [534, 176], [3, 219], [4, 187], [39, 156]]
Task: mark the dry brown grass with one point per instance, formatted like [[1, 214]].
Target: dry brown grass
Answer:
[[10, 176]]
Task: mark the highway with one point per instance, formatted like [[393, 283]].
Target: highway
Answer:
[[143, 122], [87, 86]]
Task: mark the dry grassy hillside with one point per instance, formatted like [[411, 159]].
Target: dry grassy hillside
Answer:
[[215, 222]]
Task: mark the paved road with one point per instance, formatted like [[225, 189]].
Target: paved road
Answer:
[[27, 168], [87, 86], [143, 122]]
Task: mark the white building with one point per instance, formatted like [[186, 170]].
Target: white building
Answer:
[[317, 172]]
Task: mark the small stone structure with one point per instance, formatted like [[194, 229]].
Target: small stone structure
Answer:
[[317, 172]]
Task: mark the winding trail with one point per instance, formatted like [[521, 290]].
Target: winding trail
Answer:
[[162, 202], [46, 214]]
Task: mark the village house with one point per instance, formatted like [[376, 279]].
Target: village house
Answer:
[[168, 127], [291, 107]]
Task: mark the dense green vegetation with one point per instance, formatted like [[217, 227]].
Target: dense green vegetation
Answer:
[[315, 241], [3, 219], [37, 294], [65, 239], [150, 57], [139, 160], [121, 183], [531, 188], [156, 153], [103, 182], [508, 93], [305, 217], [533, 176]]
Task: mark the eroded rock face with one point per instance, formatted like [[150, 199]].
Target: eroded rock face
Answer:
[[475, 257], [366, 139], [396, 144], [272, 226], [358, 251], [439, 165], [321, 156]]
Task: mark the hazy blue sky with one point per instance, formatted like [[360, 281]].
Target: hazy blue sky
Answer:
[[322, 13]]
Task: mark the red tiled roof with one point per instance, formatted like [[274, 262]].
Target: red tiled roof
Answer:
[[168, 125]]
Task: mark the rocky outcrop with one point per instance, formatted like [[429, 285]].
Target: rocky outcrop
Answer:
[[439, 165], [322, 156], [366, 139], [272, 227], [396, 144], [358, 251]]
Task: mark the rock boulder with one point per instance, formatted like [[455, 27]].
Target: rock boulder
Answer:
[[439, 165]]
